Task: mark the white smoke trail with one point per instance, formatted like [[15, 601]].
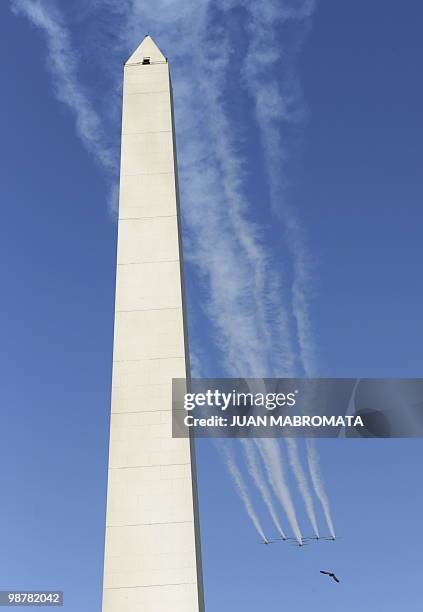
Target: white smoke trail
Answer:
[[313, 463], [301, 478], [241, 488], [276, 108], [270, 453], [257, 476]]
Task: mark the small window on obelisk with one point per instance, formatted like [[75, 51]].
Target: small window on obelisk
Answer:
[[145, 60]]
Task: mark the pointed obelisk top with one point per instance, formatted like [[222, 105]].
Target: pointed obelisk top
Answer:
[[147, 52]]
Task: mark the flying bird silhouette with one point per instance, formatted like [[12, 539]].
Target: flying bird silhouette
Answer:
[[331, 574]]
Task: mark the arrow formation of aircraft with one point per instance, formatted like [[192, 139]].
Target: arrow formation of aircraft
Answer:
[[300, 543]]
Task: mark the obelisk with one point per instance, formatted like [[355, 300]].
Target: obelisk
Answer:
[[152, 551]]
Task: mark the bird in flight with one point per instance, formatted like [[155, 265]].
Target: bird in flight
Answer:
[[331, 574]]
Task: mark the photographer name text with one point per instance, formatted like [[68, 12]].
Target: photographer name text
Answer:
[[270, 420]]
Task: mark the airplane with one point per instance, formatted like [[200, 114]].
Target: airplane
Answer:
[[285, 539], [299, 544], [266, 542], [331, 574]]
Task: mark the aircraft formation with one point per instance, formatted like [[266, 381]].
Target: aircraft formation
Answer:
[[294, 542]]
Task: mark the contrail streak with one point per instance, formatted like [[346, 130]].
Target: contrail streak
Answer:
[[313, 464], [270, 453], [257, 476], [241, 489], [295, 462]]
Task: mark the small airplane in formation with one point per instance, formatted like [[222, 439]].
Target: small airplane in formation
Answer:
[[331, 575], [294, 542], [299, 544], [266, 542]]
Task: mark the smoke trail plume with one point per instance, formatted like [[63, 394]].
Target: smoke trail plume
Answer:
[[295, 462], [241, 489], [313, 464], [257, 476], [270, 453], [279, 105]]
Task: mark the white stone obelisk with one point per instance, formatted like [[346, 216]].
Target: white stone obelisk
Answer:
[[152, 552]]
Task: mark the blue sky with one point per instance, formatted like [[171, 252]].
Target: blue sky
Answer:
[[330, 237]]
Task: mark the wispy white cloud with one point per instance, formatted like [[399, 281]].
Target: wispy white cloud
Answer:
[[62, 63]]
